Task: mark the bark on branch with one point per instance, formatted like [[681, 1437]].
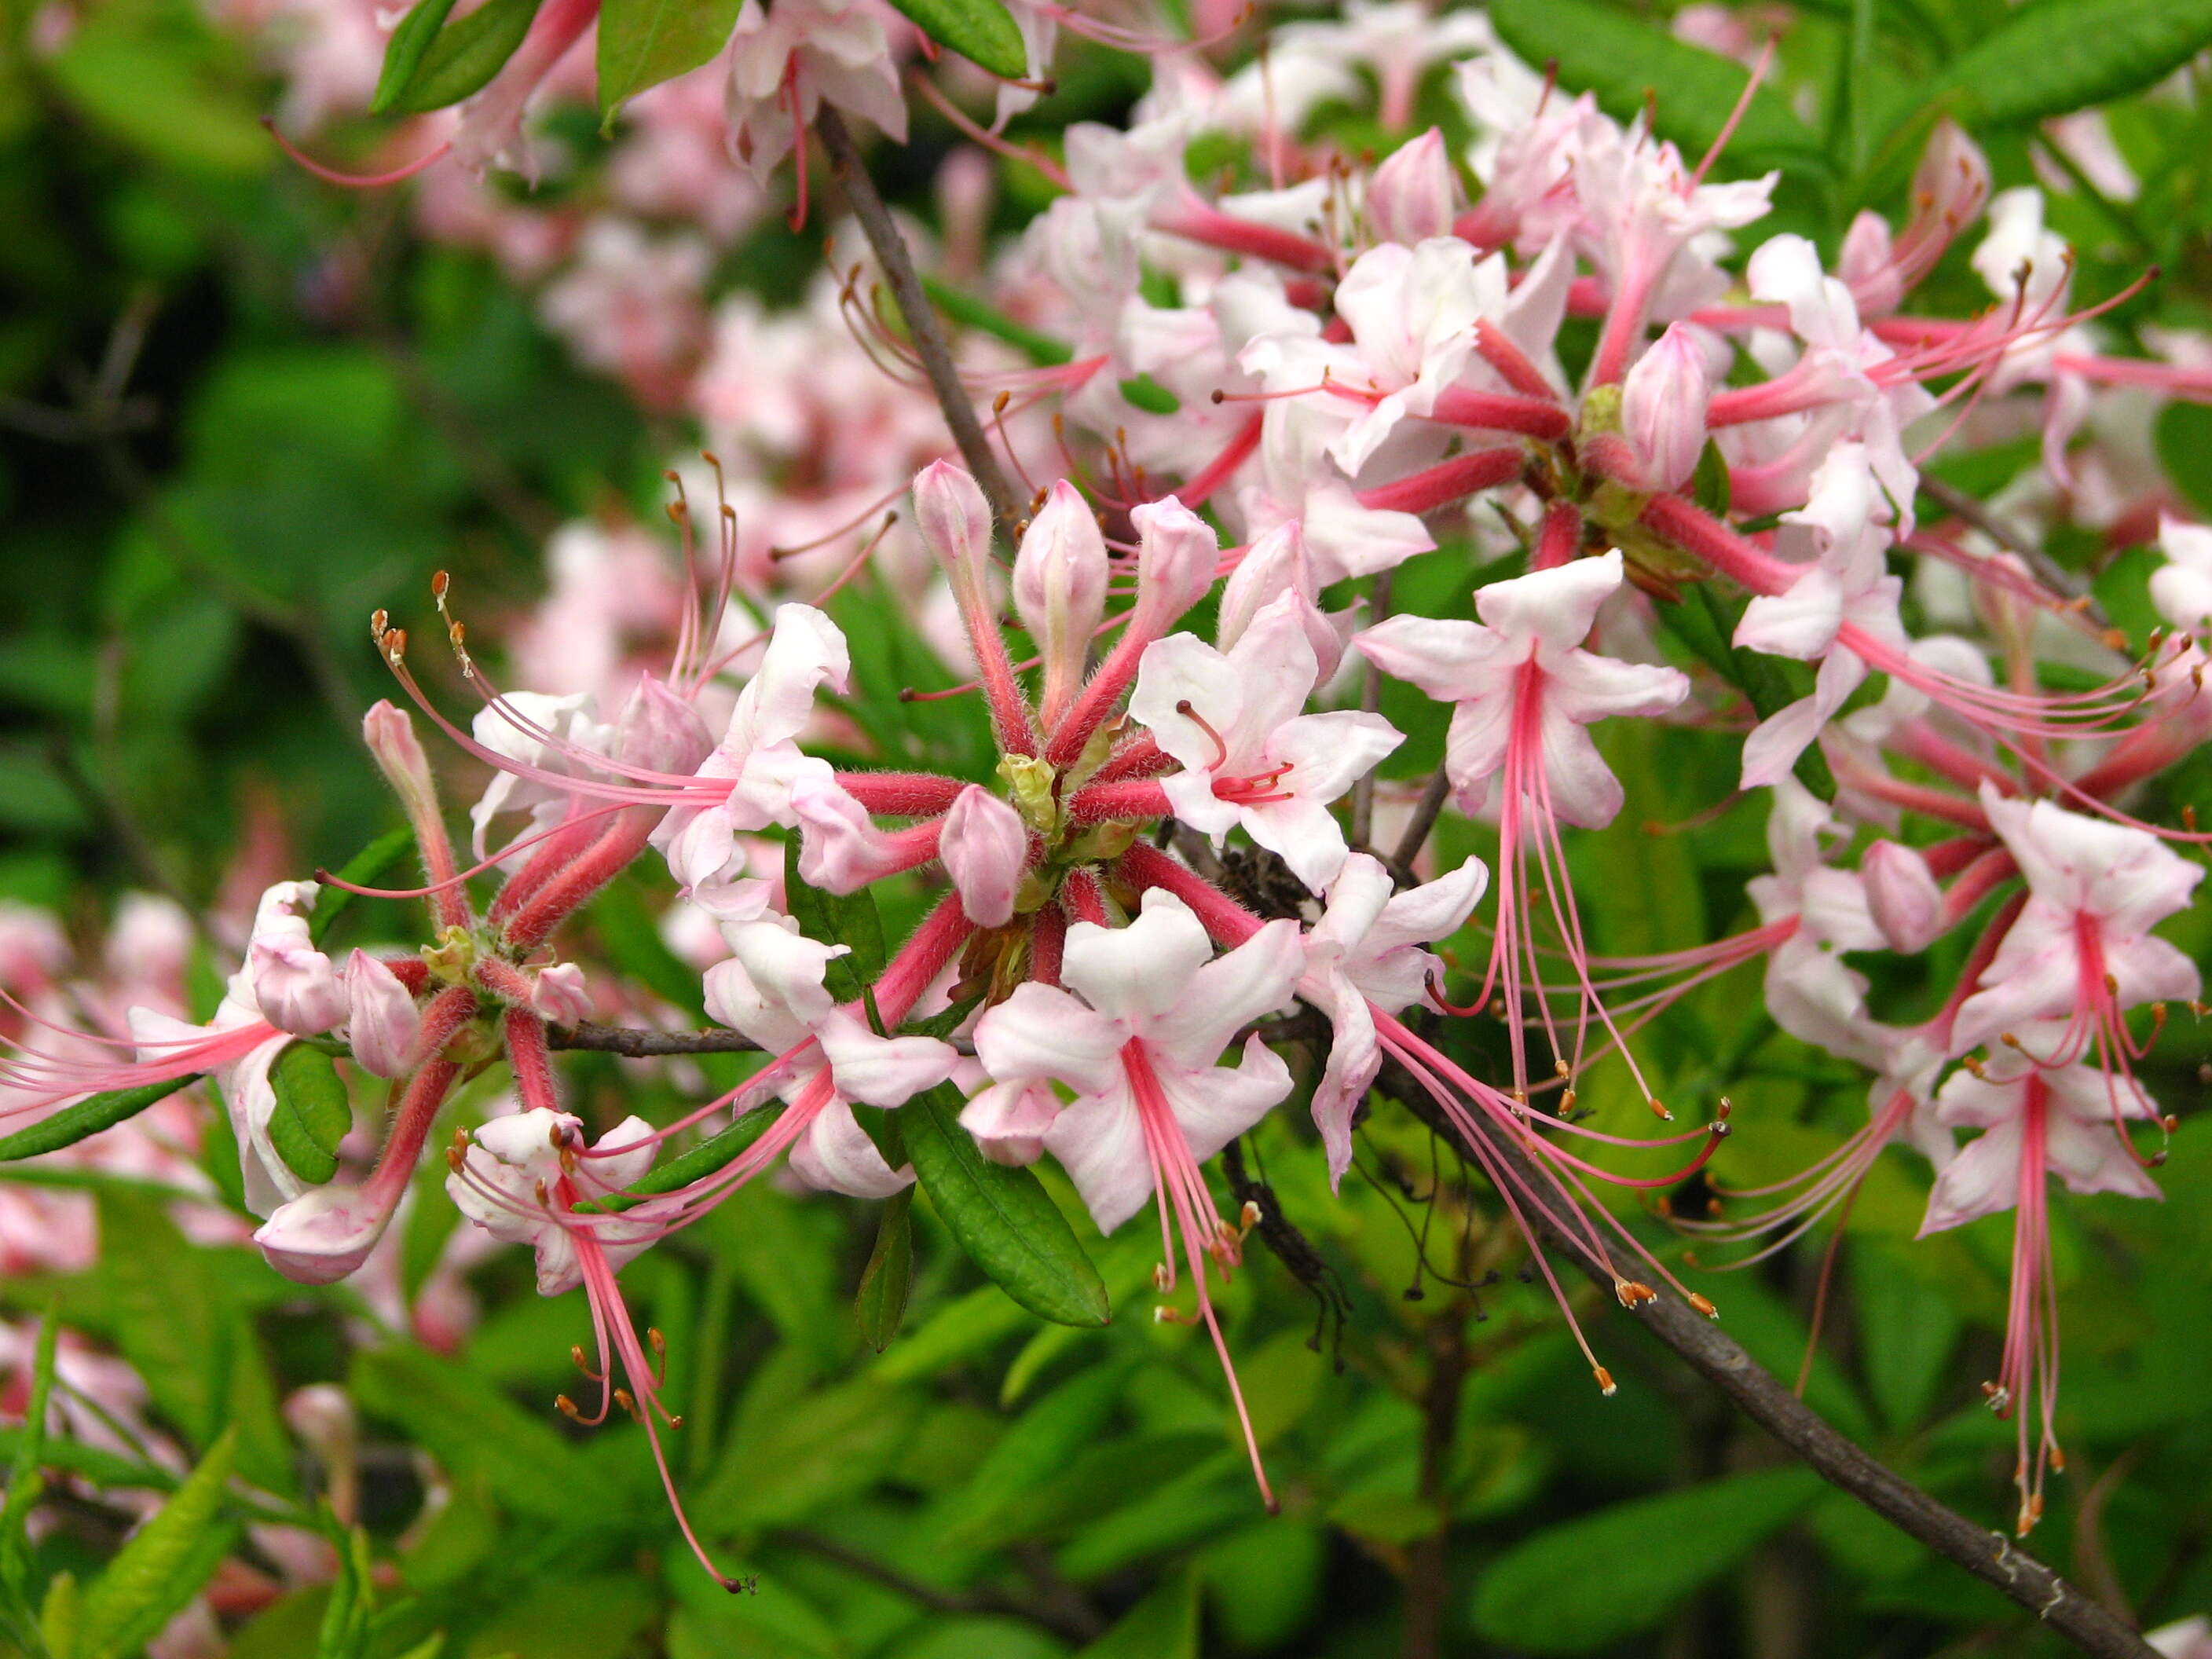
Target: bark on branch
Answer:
[[922, 326], [1758, 1394], [634, 1042]]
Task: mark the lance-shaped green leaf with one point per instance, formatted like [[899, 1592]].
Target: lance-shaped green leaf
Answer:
[[314, 1112], [87, 1117], [697, 1164], [163, 1566], [847, 919], [1703, 621], [366, 868], [403, 54], [465, 55], [982, 31], [880, 1304], [1003, 1218], [1656, 1550], [1622, 60], [645, 42], [26, 1484], [2057, 56]]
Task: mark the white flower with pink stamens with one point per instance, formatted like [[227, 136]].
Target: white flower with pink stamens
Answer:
[[2080, 951], [772, 990], [2036, 1121], [755, 767], [1135, 1037], [1366, 953], [1249, 756], [786, 62]]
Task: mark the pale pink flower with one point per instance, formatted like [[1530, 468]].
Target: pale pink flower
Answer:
[[2182, 587], [786, 61], [1366, 954], [513, 1163], [985, 849], [1662, 407], [1249, 756], [2082, 951]]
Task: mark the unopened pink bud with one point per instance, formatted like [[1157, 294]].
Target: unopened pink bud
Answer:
[[1951, 186], [389, 734], [1176, 552], [955, 522], [294, 984], [1902, 896], [322, 1235], [1060, 591], [322, 1415], [660, 731], [1413, 196], [1662, 407], [985, 847], [561, 995], [383, 1022]]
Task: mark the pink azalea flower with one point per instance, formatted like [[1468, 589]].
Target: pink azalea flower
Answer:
[[1364, 954], [2082, 951], [1249, 756], [2036, 1121], [1136, 1036]]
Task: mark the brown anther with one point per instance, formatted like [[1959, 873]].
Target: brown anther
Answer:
[[2188, 819], [1975, 1064], [2058, 1462], [1999, 1400], [1566, 1101], [1659, 1111], [1560, 1068], [395, 645], [1722, 1110], [1248, 1217], [576, 1353], [566, 1408], [1714, 1209], [2157, 1159], [630, 1406], [998, 403], [2169, 1123], [1605, 1385], [1162, 1280], [1633, 1293], [2111, 985], [379, 621], [2010, 1039], [440, 581], [676, 1420], [456, 1156], [1704, 1306], [1663, 1208]]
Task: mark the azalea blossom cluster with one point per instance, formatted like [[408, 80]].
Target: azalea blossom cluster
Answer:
[[1566, 347]]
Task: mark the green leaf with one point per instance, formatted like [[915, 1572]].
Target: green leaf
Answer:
[[2057, 56], [847, 919], [402, 56], [466, 55], [885, 1282], [697, 1164], [26, 1484], [822, 1447], [645, 42], [1002, 1217], [169, 1316], [1621, 58], [95, 1464], [163, 1566], [962, 307], [314, 1112], [982, 31], [374, 862], [1908, 1327], [1163, 1625], [1036, 1450], [1651, 1553], [87, 1117], [1703, 621], [470, 1429]]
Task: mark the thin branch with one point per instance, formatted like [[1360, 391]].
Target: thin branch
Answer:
[[2048, 571], [1423, 820], [634, 1043], [1756, 1392], [922, 327]]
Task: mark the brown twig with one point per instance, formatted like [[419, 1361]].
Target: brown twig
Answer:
[[634, 1043], [1758, 1394], [2047, 570], [922, 326], [1423, 820]]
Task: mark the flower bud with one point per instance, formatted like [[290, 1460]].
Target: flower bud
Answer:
[[389, 734], [560, 995], [985, 846], [1273, 566], [383, 1022], [1662, 408], [1176, 552], [1951, 184], [294, 984], [661, 731], [1060, 591], [1413, 195], [955, 522], [1902, 896], [324, 1234]]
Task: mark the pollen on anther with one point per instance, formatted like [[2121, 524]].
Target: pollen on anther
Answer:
[[1703, 1305], [1605, 1385]]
